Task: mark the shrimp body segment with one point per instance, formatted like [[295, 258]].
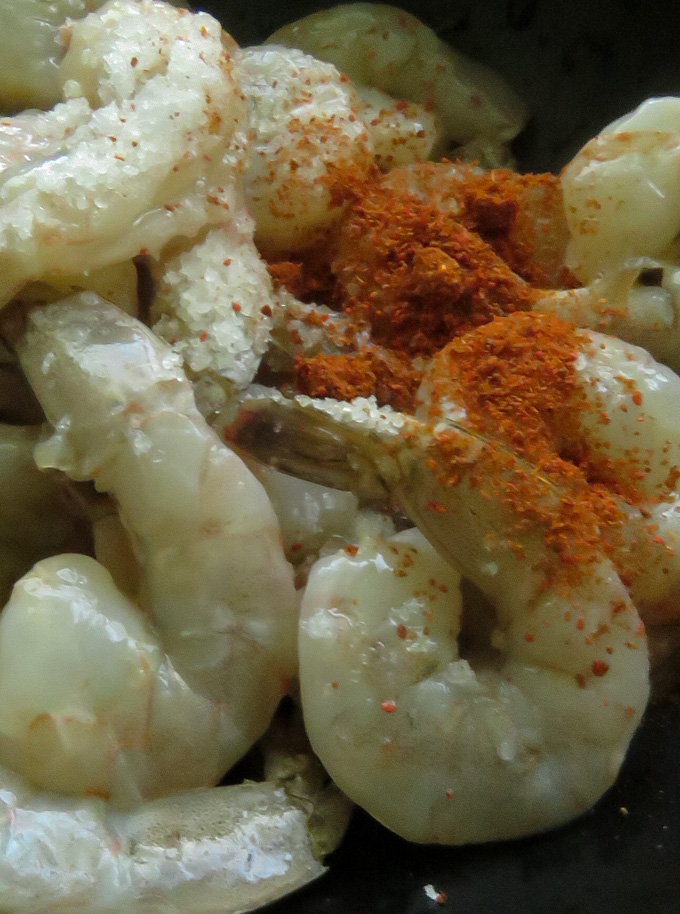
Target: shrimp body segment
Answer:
[[307, 137], [381, 47], [215, 303], [133, 157], [38, 518], [219, 851], [215, 582], [517, 739], [621, 193], [441, 749], [34, 41]]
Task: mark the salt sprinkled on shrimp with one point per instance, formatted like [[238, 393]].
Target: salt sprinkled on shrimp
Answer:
[[151, 104]]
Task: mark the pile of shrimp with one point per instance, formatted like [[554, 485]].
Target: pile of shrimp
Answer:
[[292, 412]]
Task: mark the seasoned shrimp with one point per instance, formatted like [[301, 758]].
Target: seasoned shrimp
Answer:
[[445, 749], [604, 408], [136, 154], [432, 250], [179, 691], [382, 47], [307, 137], [621, 193], [215, 303], [639, 302]]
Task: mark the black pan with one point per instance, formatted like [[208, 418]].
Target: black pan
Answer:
[[579, 64]]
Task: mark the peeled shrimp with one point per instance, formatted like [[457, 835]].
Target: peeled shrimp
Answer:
[[218, 851], [133, 158], [215, 303], [401, 247], [176, 691], [382, 47], [622, 428], [638, 302], [621, 193], [444, 749], [307, 137]]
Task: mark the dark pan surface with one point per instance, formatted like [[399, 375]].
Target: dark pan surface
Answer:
[[580, 65]]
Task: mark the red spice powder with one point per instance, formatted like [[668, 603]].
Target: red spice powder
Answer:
[[416, 276], [390, 377], [515, 380]]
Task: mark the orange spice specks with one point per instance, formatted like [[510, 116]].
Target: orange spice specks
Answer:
[[388, 706], [450, 274], [389, 376], [599, 668], [417, 276]]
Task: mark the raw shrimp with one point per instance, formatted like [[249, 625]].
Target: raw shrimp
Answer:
[[400, 248], [175, 693], [621, 193], [604, 408], [400, 132], [307, 138], [442, 748], [382, 47], [310, 515], [135, 156], [215, 303], [638, 302], [219, 851]]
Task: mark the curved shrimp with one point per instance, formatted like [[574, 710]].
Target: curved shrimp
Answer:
[[219, 851], [134, 157], [307, 138], [180, 691], [621, 192], [441, 748], [435, 248], [639, 302], [382, 47], [604, 408], [215, 302]]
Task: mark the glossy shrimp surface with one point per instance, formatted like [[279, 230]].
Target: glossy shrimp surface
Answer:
[[306, 136], [219, 851], [194, 683], [621, 193], [444, 750]]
